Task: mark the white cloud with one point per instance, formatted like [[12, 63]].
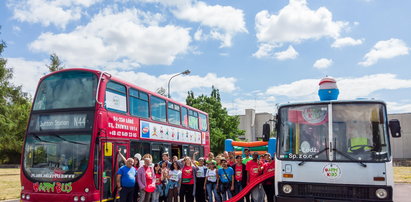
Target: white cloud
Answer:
[[290, 53], [264, 50], [238, 106], [396, 107], [301, 88], [323, 63], [179, 85], [346, 41], [350, 88], [46, 12], [385, 50], [27, 73], [224, 21], [296, 22], [133, 38]]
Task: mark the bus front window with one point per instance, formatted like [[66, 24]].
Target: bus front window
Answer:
[[71, 89], [55, 157], [304, 132], [359, 131]]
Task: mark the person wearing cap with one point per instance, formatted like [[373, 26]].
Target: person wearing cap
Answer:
[[254, 170], [126, 181], [225, 180], [146, 180], [240, 176], [247, 156], [268, 184]]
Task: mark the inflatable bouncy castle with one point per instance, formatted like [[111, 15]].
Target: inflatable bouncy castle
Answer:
[[259, 146]]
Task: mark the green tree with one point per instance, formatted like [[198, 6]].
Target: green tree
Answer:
[[14, 112], [222, 125], [55, 63]]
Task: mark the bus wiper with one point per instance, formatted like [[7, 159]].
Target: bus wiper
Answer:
[[64, 139], [39, 139], [318, 153], [346, 155]]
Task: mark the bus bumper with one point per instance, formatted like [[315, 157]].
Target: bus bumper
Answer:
[[58, 197], [297, 199]]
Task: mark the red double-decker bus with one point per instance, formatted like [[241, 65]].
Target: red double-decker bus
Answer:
[[79, 121]]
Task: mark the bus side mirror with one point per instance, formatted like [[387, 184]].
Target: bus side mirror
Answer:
[[266, 132], [395, 128]]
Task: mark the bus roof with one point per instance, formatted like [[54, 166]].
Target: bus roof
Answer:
[[116, 79], [334, 101]]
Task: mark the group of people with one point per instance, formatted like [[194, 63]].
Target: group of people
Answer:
[[207, 179]]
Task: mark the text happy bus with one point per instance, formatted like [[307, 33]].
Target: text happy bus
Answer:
[[79, 120]]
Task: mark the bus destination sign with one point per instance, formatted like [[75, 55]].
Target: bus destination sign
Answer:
[[47, 122]]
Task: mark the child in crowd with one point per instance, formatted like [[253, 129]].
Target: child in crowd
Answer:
[[159, 186], [210, 183], [174, 181]]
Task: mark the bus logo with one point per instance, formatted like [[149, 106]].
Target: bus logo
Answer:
[[145, 129], [332, 171]]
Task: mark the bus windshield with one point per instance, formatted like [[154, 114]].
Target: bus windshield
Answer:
[[72, 89], [358, 132], [56, 157]]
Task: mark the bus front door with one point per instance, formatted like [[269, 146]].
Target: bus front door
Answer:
[[111, 163]]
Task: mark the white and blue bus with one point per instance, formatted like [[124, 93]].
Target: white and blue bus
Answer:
[[334, 151]]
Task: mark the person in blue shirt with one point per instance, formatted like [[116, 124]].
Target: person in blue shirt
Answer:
[[225, 180], [126, 180]]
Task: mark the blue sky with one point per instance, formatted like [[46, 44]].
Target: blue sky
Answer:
[[258, 53]]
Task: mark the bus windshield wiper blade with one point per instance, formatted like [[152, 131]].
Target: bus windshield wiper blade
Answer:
[[41, 140], [64, 139], [318, 153], [346, 155], [349, 157]]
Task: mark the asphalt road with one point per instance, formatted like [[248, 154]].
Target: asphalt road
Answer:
[[402, 193]]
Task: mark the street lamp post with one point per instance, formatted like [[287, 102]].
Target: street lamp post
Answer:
[[185, 73]]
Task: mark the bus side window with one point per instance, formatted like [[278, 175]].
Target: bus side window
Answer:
[[203, 122], [116, 97], [107, 176], [145, 148], [184, 116], [135, 147], [173, 114], [193, 119], [158, 109], [156, 152], [138, 103]]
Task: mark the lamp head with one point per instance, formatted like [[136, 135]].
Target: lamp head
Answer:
[[186, 72]]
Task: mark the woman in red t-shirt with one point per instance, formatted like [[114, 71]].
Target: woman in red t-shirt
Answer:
[[159, 178], [187, 181], [268, 185]]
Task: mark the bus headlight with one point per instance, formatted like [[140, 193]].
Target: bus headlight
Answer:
[[381, 193], [22, 188], [86, 190], [23, 196], [83, 198], [28, 197], [75, 198], [287, 188]]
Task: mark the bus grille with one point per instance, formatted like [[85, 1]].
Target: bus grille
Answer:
[[334, 191]]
